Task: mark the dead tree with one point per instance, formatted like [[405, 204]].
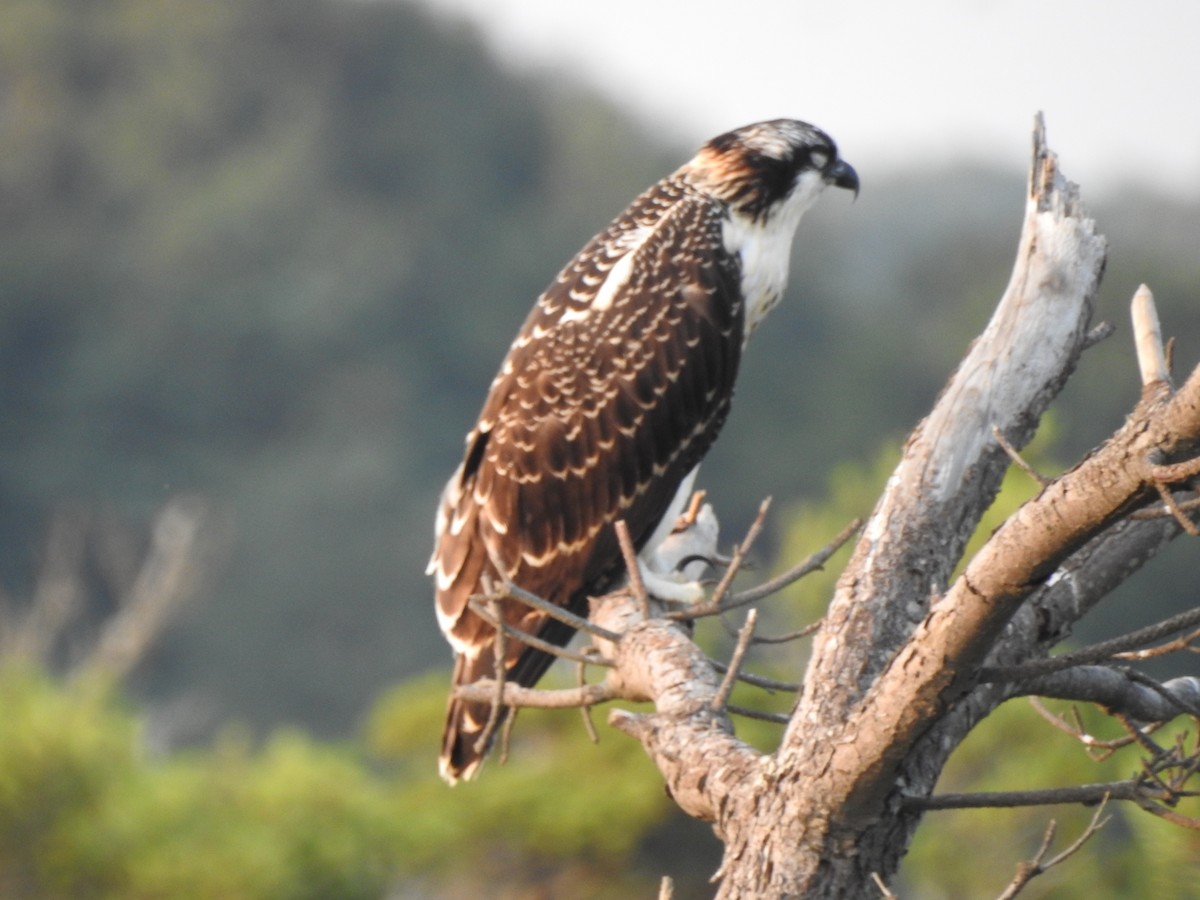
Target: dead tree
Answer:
[[910, 657]]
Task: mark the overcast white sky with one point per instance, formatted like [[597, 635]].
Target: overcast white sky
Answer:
[[895, 83]]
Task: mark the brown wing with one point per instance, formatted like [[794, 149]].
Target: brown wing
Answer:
[[616, 386]]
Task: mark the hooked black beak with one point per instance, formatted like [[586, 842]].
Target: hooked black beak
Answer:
[[842, 174]]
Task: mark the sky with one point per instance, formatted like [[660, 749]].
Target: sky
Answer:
[[896, 84]]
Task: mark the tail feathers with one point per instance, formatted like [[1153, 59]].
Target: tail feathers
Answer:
[[466, 722], [462, 756]]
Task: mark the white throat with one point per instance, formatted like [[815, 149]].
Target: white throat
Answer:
[[765, 247]]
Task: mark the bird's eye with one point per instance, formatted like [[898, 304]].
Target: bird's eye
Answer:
[[818, 159]]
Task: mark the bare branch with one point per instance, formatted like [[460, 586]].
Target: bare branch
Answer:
[[1096, 653], [1175, 818], [1134, 790], [506, 733], [814, 562], [168, 576], [530, 640], [1115, 690], [1173, 507], [1176, 473], [501, 672], [554, 611], [656, 660], [884, 890], [767, 684], [1098, 749], [1018, 459], [950, 472], [1100, 332], [516, 696], [585, 710], [790, 636], [1159, 512], [1027, 871], [1184, 642], [721, 697], [747, 713], [632, 569], [57, 594]]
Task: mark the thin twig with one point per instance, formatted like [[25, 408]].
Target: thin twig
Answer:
[[1094, 654], [688, 519], [884, 891], [1027, 871], [1099, 749], [1141, 738], [632, 568], [721, 697], [1185, 642], [585, 711], [1017, 458], [811, 628], [746, 712], [811, 564], [761, 681], [506, 734], [1161, 512], [1171, 816], [739, 556], [554, 611], [530, 640], [1169, 501], [517, 696], [501, 675], [1134, 790]]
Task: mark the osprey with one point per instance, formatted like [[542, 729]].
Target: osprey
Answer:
[[615, 387]]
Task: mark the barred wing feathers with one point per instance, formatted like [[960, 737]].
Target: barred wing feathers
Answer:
[[617, 384]]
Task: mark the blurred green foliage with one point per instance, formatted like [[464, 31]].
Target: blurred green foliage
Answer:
[[86, 811], [86, 814]]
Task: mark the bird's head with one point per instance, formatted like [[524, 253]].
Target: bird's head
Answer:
[[763, 169]]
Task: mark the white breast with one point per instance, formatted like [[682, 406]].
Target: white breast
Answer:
[[765, 247]]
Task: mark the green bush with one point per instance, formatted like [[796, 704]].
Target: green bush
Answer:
[[85, 812]]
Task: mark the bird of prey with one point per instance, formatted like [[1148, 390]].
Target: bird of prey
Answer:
[[615, 387]]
